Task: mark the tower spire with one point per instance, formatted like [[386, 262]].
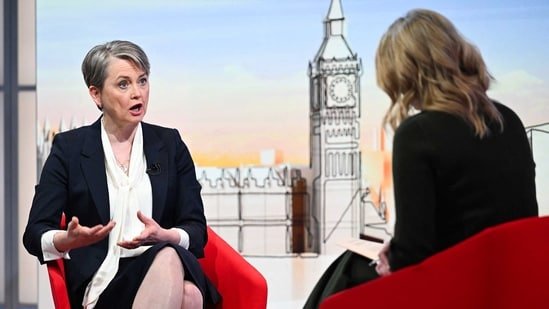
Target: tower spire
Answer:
[[334, 44], [334, 17]]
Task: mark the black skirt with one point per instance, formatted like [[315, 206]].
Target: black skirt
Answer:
[[121, 291], [348, 270]]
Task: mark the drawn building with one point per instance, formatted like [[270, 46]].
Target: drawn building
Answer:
[[335, 156]]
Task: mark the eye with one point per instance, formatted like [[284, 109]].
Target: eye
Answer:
[[123, 84], [143, 81]]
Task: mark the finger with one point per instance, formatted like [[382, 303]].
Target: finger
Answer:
[[95, 229], [142, 217], [145, 236], [110, 225], [125, 245], [139, 238], [104, 230], [128, 244], [386, 245], [99, 231], [382, 269], [383, 259], [379, 269]]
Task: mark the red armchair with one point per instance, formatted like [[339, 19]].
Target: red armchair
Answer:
[[239, 283], [506, 266]]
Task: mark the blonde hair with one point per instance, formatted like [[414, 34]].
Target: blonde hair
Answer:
[[422, 61]]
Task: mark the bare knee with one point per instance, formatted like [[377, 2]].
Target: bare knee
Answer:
[[167, 264], [167, 254], [167, 271], [168, 257], [192, 296]]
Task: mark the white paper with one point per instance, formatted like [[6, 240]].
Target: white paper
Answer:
[[367, 248]]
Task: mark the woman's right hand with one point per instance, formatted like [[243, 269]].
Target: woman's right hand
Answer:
[[383, 268], [77, 235]]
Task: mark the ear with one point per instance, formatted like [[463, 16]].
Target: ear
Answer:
[[95, 94]]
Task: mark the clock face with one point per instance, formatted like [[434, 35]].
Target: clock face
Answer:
[[340, 90]]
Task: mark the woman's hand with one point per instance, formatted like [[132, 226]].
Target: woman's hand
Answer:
[[383, 268], [151, 234], [77, 235]]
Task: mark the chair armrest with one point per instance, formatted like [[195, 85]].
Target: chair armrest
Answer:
[[56, 274], [238, 282]]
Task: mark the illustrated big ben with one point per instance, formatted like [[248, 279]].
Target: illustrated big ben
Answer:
[[334, 76]]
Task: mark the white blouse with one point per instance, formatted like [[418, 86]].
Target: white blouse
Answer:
[[131, 228]]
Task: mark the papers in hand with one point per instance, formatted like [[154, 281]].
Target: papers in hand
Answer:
[[367, 248]]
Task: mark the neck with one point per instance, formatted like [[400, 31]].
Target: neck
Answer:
[[119, 133]]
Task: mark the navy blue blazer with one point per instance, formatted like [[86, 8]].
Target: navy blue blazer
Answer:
[[74, 181]]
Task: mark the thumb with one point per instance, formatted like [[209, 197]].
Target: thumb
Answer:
[[142, 217], [73, 224]]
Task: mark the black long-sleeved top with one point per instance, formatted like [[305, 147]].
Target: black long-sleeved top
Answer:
[[450, 184]]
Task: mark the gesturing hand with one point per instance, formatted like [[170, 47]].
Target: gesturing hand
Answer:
[[151, 234], [78, 235]]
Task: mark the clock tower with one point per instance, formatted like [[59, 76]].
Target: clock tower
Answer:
[[334, 77]]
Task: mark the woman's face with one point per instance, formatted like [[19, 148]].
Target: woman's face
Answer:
[[125, 93]]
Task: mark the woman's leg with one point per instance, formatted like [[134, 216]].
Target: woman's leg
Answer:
[[193, 296], [162, 285]]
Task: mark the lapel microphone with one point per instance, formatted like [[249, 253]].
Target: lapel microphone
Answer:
[[153, 169]]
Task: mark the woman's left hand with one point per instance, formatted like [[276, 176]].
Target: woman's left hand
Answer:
[[151, 234]]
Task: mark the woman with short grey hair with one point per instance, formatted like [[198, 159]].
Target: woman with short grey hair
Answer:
[[128, 189]]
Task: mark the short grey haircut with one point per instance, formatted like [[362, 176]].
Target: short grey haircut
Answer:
[[94, 66]]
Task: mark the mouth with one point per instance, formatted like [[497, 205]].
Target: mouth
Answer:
[[137, 107]]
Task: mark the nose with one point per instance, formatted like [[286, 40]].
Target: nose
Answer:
[[136, 92]]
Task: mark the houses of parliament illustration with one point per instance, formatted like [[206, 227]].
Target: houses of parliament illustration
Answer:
[[277, 209]]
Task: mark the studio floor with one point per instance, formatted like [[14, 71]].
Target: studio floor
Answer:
[[291, 279]]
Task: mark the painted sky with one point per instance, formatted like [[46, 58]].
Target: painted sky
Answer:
[[231, 75]]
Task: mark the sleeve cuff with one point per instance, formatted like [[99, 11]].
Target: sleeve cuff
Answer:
[[183, 238], [49, 251]]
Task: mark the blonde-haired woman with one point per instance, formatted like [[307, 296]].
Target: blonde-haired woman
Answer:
[[461, 161]]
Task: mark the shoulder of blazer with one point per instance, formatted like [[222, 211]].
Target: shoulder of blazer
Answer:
[[163, 133], [78, 133], [158, 136], [78, 137]]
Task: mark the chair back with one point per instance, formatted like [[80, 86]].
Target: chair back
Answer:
[[505, 266]]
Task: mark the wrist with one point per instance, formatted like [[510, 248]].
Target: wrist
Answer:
[[61, 242], [168, 235], [174, 237]]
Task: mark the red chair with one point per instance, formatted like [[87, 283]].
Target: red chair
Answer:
[[506, 266], [239, 283]]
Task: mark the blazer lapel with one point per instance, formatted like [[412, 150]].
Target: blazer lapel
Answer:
[[157, 168], [93, 167]]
